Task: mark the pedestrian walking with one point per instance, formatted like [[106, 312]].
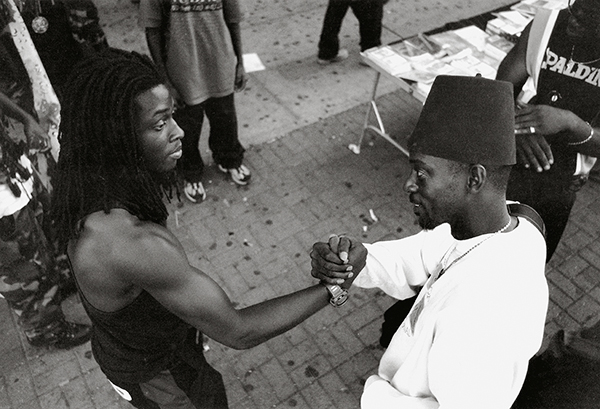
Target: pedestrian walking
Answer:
[[369, 14]]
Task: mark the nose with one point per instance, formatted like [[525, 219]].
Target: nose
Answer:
[[177, 132], [410, 185]]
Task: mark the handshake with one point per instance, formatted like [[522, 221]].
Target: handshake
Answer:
[[339, 261]]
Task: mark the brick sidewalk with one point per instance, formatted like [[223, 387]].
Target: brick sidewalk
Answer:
[[306, 186], [254, 241]]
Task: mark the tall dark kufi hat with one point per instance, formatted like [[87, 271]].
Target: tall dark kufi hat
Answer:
[[469, 120]]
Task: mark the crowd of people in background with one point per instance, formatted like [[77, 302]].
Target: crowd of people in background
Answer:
[[40, 43], [91, 137]]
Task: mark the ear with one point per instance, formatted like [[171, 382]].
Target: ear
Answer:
[[477, 177]]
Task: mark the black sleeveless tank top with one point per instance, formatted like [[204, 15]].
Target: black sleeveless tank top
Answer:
[[571, 86], [574, 87], [138, 341]]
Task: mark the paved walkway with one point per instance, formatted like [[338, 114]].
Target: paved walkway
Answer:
[[254, 241]]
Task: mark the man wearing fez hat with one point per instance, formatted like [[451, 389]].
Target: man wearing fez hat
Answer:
[[480, 314]]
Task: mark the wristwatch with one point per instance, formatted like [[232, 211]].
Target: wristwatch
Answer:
[[339, 296]]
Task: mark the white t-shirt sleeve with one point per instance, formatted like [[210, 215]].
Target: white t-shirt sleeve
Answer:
[[401, 267]]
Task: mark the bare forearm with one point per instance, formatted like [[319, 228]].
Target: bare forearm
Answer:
[[156, 46], [200, 301], [584, 137], [276, 316], [236, 40], [513, 67], [592, 147]]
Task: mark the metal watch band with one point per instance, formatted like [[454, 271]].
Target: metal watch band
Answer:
[[339, 296]]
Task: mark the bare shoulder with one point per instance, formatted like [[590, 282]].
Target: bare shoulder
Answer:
[[120, 247]]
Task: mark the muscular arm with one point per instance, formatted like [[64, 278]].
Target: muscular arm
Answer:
[[532, 148], [152, 258]]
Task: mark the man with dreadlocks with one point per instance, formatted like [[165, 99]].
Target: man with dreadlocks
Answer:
[[147, 304]]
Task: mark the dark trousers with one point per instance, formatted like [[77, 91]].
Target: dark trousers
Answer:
[[222, 141], [369, 14], [191, 383]]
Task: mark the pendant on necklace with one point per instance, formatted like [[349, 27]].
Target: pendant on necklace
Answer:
[[39, 25]]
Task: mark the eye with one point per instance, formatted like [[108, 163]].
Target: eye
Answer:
[[160, 125], [420, 173]]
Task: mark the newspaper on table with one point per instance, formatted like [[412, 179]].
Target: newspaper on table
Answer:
[[420, 44], [424, 69], [474, 36], [388, 59], [450, 42], [467, 51], [497, 46]]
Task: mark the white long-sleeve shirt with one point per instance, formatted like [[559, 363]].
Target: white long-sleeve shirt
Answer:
[[482, 320]]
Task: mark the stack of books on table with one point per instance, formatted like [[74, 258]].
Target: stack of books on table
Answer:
[[387, 59], [510, 24], [418, 60]]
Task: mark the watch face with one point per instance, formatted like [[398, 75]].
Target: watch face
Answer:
[[338, 295], [340, 299]]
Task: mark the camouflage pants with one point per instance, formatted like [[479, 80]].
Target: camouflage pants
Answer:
[[30, 281]]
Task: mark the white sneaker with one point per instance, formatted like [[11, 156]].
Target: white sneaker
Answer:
[[341, 56], [240, 175], [194, 191]]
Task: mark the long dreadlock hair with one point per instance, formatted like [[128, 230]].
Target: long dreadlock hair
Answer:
[[100, 164]]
